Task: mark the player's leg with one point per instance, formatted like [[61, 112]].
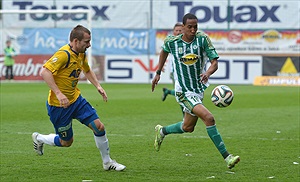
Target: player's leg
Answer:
[[212, 131], [9, 68], [211, 128], [51, 139], [11, 73], [63, 127], [87, 115], [182, 110], [162, 131], [103, 146], [187, 125], [100, 139], [61, 119], [167, 92], [6, 72]]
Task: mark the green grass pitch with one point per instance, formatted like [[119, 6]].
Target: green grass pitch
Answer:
[[261, 126]]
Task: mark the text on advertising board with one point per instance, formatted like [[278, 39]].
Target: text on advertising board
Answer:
[[239, 14], [24, 5], [123, 68]]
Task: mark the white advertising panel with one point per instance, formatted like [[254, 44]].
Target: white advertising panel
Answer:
[[229, 14], [141, 69], [240, 14], [105, 14], [132, 69], [237, 70], [267, 14]]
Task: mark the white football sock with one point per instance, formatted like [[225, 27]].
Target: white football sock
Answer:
[[161, 133], [103, 146], [47, 139]]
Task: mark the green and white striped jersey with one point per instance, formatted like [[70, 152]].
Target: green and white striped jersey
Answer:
[[189, 60]]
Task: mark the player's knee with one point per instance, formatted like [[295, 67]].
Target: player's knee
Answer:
[[97, 127], [209, 120], [189, 129], [66, 143]]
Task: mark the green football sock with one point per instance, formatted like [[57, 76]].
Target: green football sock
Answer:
[[172, 92], [173, 128], [217, 139]]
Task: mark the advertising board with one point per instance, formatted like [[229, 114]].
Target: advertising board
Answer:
[[231, 14]]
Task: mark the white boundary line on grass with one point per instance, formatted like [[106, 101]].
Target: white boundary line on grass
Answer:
[[206, 137]]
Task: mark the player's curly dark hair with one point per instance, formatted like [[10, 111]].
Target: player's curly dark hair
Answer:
[[188, 16], [78, 32]]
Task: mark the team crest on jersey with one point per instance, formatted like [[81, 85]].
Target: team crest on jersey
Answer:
[[180, 50], [189, 59], [54, 60]]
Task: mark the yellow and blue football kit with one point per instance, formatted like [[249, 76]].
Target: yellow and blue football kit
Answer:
[[66, 66]]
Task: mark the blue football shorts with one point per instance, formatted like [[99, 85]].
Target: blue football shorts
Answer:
[[61, 118]]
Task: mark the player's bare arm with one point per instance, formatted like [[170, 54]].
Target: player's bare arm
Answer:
[[90, 75], [48, 77], [212, 68], [162, 59]]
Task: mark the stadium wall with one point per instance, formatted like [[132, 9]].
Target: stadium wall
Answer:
[[125, 46]]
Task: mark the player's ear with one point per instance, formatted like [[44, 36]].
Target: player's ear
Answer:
[[76, 40]]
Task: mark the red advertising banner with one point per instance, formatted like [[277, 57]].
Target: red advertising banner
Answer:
[[252, 42], [26, 67], [256, 41]]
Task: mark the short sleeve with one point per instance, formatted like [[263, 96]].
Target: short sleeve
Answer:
[[210, 50], [57, 61]]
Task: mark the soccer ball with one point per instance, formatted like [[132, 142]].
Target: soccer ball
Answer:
[[222, 96]]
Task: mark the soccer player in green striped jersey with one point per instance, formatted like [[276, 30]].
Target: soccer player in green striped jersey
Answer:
[[191, 50]]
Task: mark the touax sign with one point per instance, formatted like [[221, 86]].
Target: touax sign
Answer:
[[147, 14], [27, 5], [238, 13]]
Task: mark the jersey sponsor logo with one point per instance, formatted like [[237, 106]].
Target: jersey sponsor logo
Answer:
[[189, 59], [240, 14], [75, 73]]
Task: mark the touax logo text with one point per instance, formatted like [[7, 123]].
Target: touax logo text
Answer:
[[27, 5], [239, 14]]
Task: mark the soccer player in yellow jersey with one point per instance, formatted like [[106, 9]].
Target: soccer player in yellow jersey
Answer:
[[65, 103]]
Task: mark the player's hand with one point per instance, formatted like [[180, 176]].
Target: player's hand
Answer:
[[102, 92], [204, 78], [63, 100], [155, 81]]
